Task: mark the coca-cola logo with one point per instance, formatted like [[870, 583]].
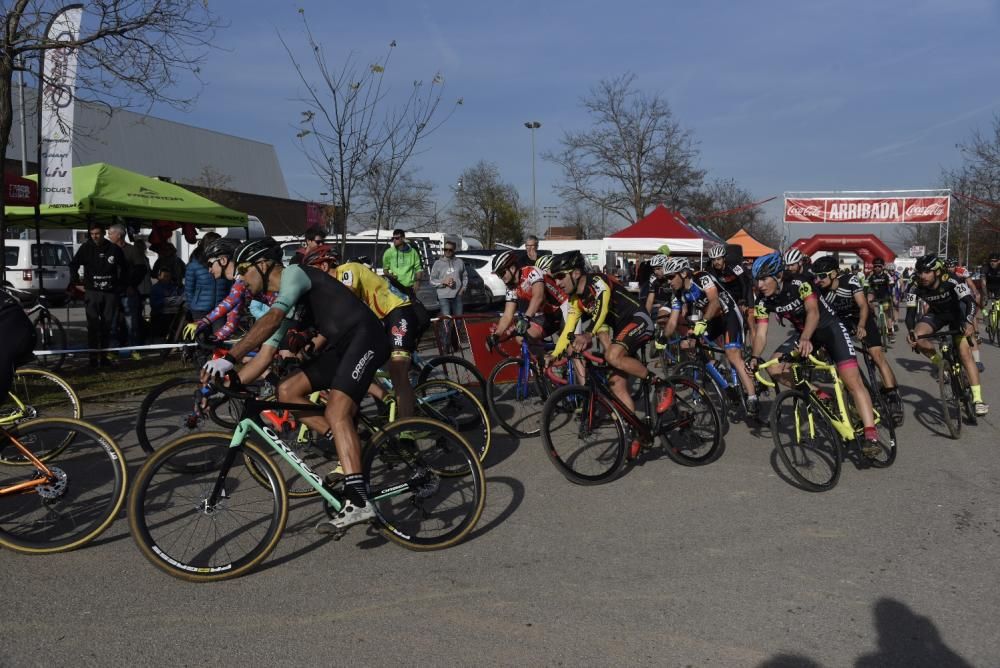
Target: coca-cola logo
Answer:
[[915, 210], [807, 211]]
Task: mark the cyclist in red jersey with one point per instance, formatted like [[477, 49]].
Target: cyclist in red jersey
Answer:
[[543, 297]]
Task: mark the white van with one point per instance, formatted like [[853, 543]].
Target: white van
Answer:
[[21, 264]]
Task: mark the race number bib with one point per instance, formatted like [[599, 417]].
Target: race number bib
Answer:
[[962, 290]]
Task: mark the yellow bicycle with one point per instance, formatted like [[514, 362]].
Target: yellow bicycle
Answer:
[[813, 431], [38, 393]]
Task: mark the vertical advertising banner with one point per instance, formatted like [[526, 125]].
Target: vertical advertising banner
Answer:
[[58, 92]]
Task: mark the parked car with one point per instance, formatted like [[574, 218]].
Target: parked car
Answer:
[[481, 265], [476, 292], [21, 264]]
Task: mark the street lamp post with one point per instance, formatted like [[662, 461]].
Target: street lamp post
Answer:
[[533, 125]]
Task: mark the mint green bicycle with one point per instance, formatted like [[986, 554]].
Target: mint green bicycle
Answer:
[[212, 506]]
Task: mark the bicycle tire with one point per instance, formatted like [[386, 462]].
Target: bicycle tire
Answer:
[[428, 491], [50, 336], [792, 410], [44, 394], [80, 505], [698, 372], [456, 369], [692, 426], [964, 391], [254, 529], [520, 416], [458, 407], [586, 458], [950, 409], [169, 408]]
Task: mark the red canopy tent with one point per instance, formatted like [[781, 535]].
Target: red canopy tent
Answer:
[[661, 226]]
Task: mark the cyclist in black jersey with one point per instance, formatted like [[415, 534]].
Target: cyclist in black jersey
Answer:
[[720, 321], [734, 279], [794, 299], [844, 294], [659, 294], [991, 276], [18, 339], [880, 286], [949, 304], [354, 346], [617, 320]]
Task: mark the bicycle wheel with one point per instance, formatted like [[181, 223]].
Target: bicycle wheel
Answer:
[[177, 408], [807, 443], [960, 386], [950, 408], [888, 404], [692, 426], [456, 369], [83, 500], [883, 329], [50, 336], [516, 398], [426, 483], [43, 394], [583, 435], [459, 408], [699, 373], [181, 532]]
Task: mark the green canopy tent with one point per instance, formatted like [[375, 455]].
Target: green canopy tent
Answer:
[[104, 192]]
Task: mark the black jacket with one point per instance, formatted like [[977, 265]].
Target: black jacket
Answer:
[[104, 268]]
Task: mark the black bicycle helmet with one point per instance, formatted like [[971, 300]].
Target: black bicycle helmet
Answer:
[[258, 249], [568, 261], [929, 262], [503, 261], [825, 265], [221, 248], [878, 262]]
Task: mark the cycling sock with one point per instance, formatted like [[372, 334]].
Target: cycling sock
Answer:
[[977, 394], [354, 486], [871, 434], [975, 355]]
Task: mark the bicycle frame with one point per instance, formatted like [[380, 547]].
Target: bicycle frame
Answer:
[[22, 411], [842, 420], [597, 380], [27, 485]]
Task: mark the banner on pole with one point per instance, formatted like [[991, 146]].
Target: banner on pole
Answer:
[[58, 92], [918, 251], [862, 210]]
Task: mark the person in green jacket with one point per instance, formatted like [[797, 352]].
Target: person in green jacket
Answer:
[[401, 263]]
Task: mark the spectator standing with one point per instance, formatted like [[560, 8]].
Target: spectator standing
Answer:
[[201, 290], [104, 268], [166, 299], [449, 277], [167, 257], [136, 277], [530, 255], [315, 235], [401, 264]]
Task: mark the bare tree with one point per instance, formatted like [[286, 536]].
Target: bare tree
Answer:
[[407, 200], [216, 185], [589, 221], [487, 207], [635, 155], [725, 208], [130, 53], [353, 129]]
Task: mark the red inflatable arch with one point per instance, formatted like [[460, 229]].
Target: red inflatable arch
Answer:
[[867, 246]]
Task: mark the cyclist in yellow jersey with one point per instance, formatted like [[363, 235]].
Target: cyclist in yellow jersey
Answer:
[[392, 307]]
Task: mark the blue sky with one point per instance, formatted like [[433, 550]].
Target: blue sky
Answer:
[[780, 96]]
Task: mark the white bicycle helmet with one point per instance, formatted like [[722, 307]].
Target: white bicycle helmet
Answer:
[[677, 265], [793, 256], [716, 252], [544, 262], [659, 261], [502, 261]]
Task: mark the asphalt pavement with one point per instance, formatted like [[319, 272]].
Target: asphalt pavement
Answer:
[[724, 565]]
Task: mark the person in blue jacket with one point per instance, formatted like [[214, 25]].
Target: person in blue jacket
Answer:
[[201, 290]]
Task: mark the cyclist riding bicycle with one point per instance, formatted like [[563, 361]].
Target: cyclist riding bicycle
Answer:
[[19, 340], [734, 279], [219, 254], [355, 347], [720, 321], [879, 290], [991, 275], [621, 326], [392, 307], [534, 293], [949, 305], [846, 297], [792, 297], [660, 295]]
